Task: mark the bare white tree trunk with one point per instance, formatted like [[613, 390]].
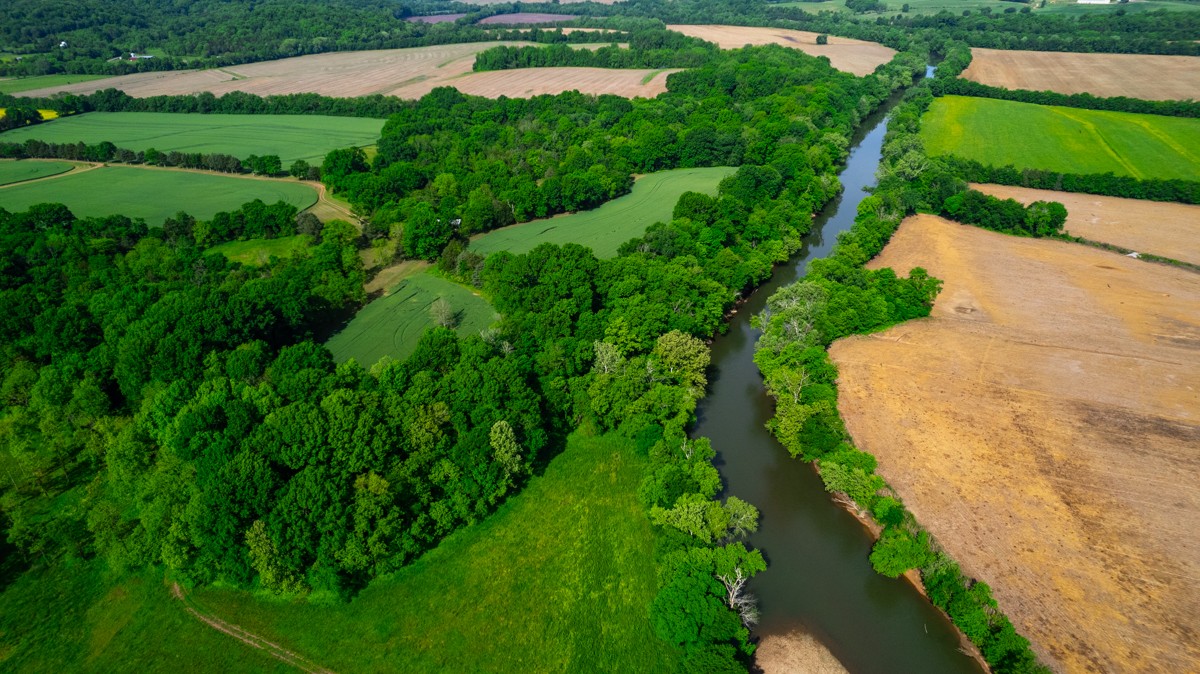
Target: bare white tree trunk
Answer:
[[738, 598]]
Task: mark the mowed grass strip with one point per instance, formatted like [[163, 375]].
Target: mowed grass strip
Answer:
[[558, 580], [12, 85], [152, 194], [604, 229], [392, 325], [292, 137], [20, 171], [258, 252], [1069, 140]]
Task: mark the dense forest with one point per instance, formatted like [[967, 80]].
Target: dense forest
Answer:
[[245, 455]]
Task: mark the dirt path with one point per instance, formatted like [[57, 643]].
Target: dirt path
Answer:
[[253, 640]]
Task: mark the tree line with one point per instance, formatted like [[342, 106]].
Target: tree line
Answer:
[[839, 297], [1107, 184]]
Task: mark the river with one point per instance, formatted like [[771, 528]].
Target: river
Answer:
[[819, 579]]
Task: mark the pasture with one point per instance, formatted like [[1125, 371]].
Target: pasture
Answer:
[[604, 229], [845, 54], [1043, 423], [291, 137], [258, 252], [392, 325], [558, 580], [1145, 76], [1161, 228], [1070, 140], [152, 194], [12, 85], [20, 171]]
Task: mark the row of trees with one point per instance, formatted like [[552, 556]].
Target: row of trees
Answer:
[[266, 165], [838, 297], [1153, 189], [509, 58], [1040, 218]]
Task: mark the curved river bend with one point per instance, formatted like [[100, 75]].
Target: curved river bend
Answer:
[[819, 580]]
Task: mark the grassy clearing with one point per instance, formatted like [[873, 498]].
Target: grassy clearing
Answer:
[[84, 619], [1063, 139], [152, 194], [16, 84], [604, 229], [292, 137], [558, 580], [392, 325], [20, 171], [260, 251]]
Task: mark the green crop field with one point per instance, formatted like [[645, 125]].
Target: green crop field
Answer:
[[12, 85], [152, 194], [292, 137], [604, 229], [259, 251], [558, 580], [392, 325], [1070, 140], [19, 171]]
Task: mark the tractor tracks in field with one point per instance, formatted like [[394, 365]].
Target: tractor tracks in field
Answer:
[[248, 638]]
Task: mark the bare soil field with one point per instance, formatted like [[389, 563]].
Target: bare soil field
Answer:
[[525, 19], [1044, 424], [795, 652], [1165, 229], [1150, 77], [845, 54], [527, 82], [407, 73]]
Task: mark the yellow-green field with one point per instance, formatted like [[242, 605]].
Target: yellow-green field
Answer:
[[1068, 140], [604, 229], [258, 252]]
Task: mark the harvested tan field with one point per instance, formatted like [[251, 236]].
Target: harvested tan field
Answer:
[[1162, 228], [528, 82], [1159, 78], [795, 652], [845, 54], [1044, 423], [409, 73]]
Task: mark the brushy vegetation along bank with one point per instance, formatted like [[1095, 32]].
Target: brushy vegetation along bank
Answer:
[[839, 297]]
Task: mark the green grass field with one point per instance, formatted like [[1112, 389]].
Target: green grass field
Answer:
[[558, 580], [604, 229], [12, 85], [291, 137], [84, 619], [19, 171], [392, 325], [153, 194], [258, 252], [1070, 140]]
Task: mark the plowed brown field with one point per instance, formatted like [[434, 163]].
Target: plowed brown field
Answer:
[[845, 54], [1044, 423], [1135, 75], [1166, 229], [407, 73]]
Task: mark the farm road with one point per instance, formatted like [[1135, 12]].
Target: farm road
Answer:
[[248, 638]]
